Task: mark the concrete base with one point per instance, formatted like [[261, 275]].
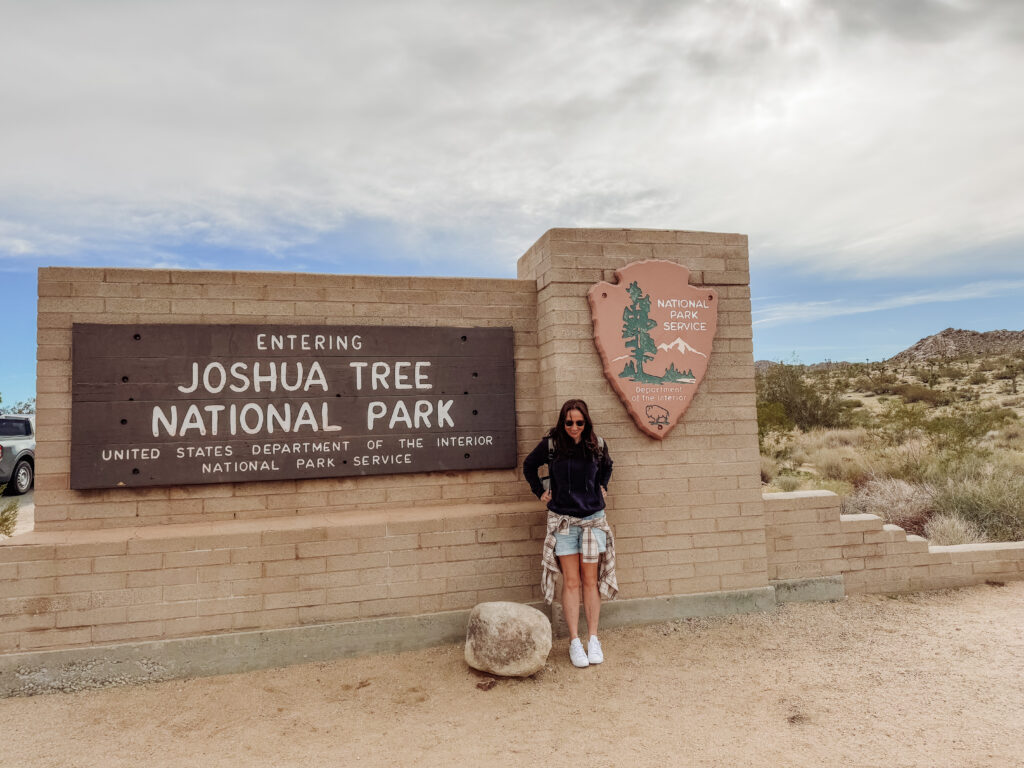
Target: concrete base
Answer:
[[651, 610], [819, 590], [24, 674], [131, 663]]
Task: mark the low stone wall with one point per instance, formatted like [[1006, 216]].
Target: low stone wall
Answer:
[[72, 295], [157, 564], [360, 556], [72, 589], [808, 537]]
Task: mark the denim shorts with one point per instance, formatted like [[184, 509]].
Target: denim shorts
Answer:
[[571, 543]]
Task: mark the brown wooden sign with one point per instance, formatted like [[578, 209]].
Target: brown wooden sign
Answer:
[[192, 404], [654, 332]]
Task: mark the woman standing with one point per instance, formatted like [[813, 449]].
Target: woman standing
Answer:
[[579, 542]]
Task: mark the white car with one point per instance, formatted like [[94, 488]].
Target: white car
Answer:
[[17, 453]]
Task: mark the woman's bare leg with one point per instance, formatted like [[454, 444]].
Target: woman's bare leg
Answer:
[[571, 592], [591, 596]]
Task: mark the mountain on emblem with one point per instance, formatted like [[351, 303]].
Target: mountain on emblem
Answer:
[[654, 332]]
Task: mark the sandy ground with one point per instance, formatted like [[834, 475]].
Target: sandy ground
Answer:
[[933, 679]]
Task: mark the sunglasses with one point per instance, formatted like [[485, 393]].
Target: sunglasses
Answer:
[[570, 422]]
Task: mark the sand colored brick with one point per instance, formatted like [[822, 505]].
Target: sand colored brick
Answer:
[[807, 536], [122, 566]]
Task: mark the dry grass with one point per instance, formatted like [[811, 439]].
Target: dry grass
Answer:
[[1010, 438], [8, 514], [788, 483], [956, 452], [907, 505], [946, 530], [769, 468], [820, 439], [847, 464], [989, 494]]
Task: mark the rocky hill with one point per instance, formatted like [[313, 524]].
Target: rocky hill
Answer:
[[954, 342]]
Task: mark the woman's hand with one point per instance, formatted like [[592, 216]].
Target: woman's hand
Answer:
[[546, 496], [604, 492]]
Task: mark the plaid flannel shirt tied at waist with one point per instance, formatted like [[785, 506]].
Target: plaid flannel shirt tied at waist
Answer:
[[607, 584]]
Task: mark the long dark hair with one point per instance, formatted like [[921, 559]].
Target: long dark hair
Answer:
[[564, 443]]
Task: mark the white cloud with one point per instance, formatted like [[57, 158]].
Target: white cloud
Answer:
[[808, 311], [855, 137]]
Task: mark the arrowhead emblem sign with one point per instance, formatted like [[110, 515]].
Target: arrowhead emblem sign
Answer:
[[654, 332]]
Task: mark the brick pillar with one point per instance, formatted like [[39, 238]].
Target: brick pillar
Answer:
[[687, 510]]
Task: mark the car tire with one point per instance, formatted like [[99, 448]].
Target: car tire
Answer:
[[21, 479]]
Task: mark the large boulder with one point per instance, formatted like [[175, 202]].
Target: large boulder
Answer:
[[507, 639]]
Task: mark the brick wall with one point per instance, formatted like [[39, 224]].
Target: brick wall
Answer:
[[106, 566], [67, 296], [687, 510], [808, 537], [80, 588]]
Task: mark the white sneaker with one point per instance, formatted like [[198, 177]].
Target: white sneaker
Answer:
[[594, 653], [576, 653]]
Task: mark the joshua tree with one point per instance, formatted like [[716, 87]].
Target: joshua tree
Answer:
[[636, 324]]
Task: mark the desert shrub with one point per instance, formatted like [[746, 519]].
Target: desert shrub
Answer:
[[946, 530], [846, 464], [772, 418], [907, 505], [861, 384], [1011, 437], [1008, 372], [987, 365], [788, 483], [949, 372], [8, 514], [769, 468], [880, 383], [806, 404], [968, 395], [777, 445], [988, 494], [838, 487], [978, 378], [914, 460], [915, 393], [899, 421], [927, 376], [817, 439], [960, 431]]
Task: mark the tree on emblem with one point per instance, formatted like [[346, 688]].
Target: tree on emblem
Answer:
[[636, 324]]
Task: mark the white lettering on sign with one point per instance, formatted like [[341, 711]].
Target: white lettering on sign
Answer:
[[380, 373], [307, 342], [382, 459], [683, 315], [220, 467], [214, 377], [204, 451], [673, 326], [250, 417], [682, 304], [123, 454], [420, 416]]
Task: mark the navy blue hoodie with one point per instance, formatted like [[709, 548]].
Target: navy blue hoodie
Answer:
[[576, 479]]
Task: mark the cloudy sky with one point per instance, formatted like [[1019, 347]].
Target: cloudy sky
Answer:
[[871, 149]]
